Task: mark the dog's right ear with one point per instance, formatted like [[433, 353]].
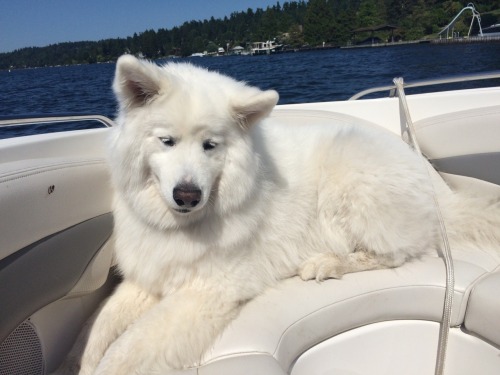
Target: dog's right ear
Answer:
[[136, 81]]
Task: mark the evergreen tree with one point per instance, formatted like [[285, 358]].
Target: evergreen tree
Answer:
[[318, 21]]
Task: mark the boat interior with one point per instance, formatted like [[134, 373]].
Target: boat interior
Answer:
[[57, 266]]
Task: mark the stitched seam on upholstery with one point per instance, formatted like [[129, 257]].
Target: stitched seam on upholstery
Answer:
[[16, 175]]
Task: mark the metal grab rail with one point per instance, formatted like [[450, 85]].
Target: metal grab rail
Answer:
[[13, 127], [429, 82], [53, 119]]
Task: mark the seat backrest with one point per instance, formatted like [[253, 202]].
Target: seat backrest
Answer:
[[464, 147]]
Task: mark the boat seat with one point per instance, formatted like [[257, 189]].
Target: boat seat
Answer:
[[464, 147], [65, 253], [482, 317], [413, 292]]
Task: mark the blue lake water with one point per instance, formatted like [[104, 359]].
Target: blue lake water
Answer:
[[299, 77]]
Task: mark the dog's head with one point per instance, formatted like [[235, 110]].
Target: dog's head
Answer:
[[182, 147]]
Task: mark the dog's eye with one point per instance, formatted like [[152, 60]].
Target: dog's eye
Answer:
[[209, 145], [167, 141]]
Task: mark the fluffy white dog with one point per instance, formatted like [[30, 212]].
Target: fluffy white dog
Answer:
[[214, 204]]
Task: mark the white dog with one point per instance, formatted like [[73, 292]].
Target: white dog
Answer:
[[214, 204]]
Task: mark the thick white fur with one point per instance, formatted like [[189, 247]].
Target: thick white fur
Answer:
[[275, 202]]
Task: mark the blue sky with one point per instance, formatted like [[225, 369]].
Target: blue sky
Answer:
[[27, 23]]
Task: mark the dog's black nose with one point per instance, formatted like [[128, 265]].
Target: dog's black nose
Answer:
[[187, 195]]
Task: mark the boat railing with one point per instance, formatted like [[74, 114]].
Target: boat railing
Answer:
[[53, 119], [429, 82], [16, 126]]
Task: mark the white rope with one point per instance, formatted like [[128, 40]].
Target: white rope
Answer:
[[408, 130]]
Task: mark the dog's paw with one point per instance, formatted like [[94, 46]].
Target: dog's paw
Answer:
[[321, 267]]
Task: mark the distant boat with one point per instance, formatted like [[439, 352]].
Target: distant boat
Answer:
[[238, 50], [265, 48], [197, 54], [493, 30]]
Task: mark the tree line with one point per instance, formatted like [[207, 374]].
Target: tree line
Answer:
[[295, 24]]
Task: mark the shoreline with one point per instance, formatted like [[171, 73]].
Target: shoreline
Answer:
[[474, 39], [471, 40]]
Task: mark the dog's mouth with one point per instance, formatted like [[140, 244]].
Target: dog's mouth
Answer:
[[182, 210]]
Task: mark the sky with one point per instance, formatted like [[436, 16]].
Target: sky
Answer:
[[38, 23]]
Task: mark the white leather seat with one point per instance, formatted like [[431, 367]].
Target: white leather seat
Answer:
[[482, 317], [465, 147]]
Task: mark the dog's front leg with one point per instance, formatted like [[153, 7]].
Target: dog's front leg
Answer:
[[174, 334], [119, 311]]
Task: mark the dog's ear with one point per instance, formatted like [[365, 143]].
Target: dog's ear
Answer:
[[254, 106], [136, 81]]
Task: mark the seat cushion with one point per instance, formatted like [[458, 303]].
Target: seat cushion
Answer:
[[483, 312], [296, 315]]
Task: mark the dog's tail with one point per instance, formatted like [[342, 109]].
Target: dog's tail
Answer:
[[472, 221]]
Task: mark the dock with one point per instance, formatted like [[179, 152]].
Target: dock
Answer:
[[471, 39], [387, 44]]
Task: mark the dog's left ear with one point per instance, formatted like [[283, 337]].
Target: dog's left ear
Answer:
[[255, 106], [136, 81]]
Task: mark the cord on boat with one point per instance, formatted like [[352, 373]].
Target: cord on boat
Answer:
[[408, 129]]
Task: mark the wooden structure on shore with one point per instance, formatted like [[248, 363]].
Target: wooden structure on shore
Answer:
[[374, 29]]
